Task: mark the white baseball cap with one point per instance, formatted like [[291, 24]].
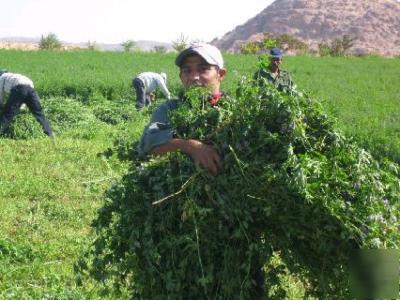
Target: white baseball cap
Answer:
[[209, 53]]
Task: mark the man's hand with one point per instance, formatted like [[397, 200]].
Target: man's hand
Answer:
[[152, 96], [202, 154]]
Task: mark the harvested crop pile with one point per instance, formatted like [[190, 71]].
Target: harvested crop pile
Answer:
[[113, 112], [65, 114], [62, 113], [290, 182], [24, 126]]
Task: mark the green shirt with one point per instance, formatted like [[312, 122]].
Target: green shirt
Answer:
[[280, 80]]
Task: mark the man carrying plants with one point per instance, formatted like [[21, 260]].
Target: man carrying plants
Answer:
[[16, 90], [145, 84], [200, 65], [274, 74]]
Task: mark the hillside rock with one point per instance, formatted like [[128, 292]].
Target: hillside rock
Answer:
[[375, 23]]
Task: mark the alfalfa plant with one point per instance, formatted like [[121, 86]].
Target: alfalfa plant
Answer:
[[291, 182]]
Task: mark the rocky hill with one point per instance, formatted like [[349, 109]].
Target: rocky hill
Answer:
[[375, 23]]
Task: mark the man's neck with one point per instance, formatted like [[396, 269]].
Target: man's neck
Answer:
[[274, 70], [215, 97]]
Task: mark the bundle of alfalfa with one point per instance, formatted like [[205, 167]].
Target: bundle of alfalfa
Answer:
[[290, 182], [62, 113]]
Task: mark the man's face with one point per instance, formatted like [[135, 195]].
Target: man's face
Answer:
[[195, 71], [275, 62]]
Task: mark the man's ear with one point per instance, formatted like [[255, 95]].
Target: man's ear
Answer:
[[221, 73]]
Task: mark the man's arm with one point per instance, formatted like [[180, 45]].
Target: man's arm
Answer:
[[202, 154], [164, 88], [158, 131], [157, 139], [293, 87]]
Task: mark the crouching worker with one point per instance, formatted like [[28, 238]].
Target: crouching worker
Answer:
[[15, 90], [145, 85]]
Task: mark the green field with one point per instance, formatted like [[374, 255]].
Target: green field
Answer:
[[50, 189]]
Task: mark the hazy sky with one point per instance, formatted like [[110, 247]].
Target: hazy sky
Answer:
[[115, 21]]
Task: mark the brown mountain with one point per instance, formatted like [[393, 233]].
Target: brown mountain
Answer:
[[375, 23]]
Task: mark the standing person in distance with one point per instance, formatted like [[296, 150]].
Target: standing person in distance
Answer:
[[16, 90], [145, 84], [275, 75]]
